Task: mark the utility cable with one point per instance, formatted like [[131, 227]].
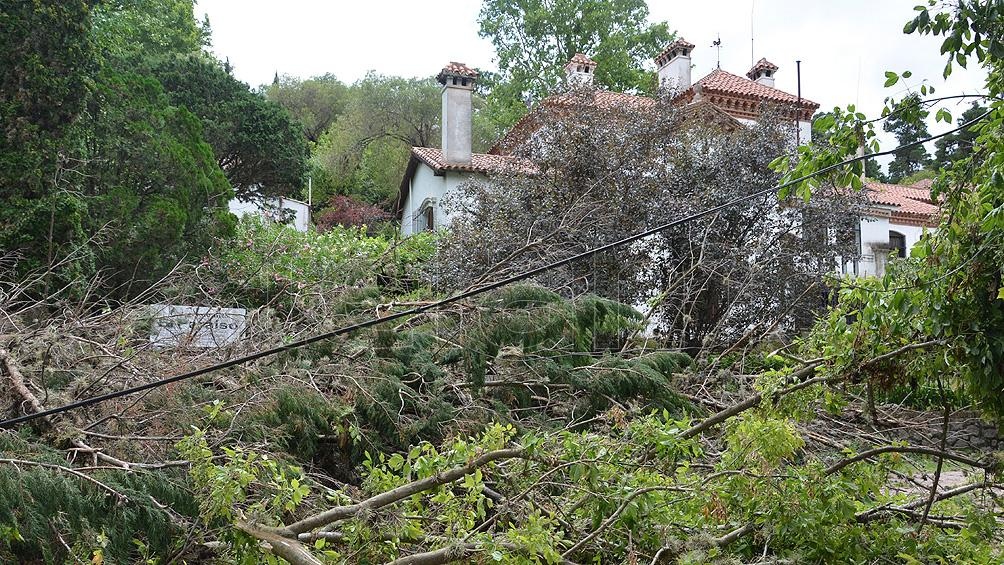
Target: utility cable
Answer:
[[458, 297]]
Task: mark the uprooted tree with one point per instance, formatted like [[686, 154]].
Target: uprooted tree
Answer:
[[602, 172]]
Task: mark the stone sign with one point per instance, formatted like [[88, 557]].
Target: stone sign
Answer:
[[203, 327]]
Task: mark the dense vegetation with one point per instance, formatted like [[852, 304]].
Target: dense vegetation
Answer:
[[537, 422]]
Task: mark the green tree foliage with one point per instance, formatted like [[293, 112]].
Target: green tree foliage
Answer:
[[907, 161], [139, 30], [40, 502], [165, 198], [944, 303], [46, 57], [46, 54], [366, 150], [534, 39], [315, 102], [959, 145], [105, 157], [873, 169], [257, 144]]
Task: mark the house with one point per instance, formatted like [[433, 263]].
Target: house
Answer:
[[894, 221], [280, 209], [432, 173]]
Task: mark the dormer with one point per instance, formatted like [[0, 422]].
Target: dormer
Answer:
[[580, 70], [763, 72], [674, 65]]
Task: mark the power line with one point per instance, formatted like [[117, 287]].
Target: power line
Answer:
[[456, 298]]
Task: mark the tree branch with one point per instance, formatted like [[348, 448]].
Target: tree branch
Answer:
[[399, 493]]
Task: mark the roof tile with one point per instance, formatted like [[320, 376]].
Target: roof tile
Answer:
[[456, 69], [581, 59], [727, 83], [910, 201], [480, 162]]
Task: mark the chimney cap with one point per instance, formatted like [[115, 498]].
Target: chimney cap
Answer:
[[455, 69], [762, 65], [581, 59], [669, 53]]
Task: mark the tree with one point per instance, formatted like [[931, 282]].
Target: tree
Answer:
[[959, 145], [46, 57], [534, 39], [873, 170], [943, 303], [907, 161], [605, 173], [140, 30], [366, 150], [257, 144], [165, 198], [315, 102]]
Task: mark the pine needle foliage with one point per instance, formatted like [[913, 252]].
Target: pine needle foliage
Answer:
[[298, 417], [37, 504], [541, 324], [409, 399]]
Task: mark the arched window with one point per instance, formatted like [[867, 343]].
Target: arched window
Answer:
[[897, 243], [425, 219]]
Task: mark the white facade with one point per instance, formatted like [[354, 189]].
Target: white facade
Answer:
[[875, 244], [424, 199], [268, 209]]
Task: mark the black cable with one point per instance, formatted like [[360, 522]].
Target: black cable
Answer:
[[456, 298]]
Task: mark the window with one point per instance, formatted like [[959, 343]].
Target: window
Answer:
[[897, 244], [425, 218], [429, 215]]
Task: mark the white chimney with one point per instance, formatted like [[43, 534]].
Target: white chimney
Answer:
[[458, 83], [580, 71], [763, 72], [674, 65]]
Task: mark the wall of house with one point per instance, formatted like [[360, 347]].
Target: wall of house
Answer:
[[267, 209], [804, 129], [875, 242], [429, 189]]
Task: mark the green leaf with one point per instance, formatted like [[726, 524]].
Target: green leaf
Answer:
[[891, 78]]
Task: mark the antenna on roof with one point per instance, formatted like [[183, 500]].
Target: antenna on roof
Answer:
[[752, 7], [718, 43]]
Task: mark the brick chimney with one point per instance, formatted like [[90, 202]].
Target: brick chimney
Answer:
[[674, 65], [763, 72], [580, 70], [458, 84]]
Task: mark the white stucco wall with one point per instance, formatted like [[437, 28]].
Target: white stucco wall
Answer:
[[264, 209], [875, 243], [429, 189]]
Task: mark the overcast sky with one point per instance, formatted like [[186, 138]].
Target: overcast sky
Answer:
[[845, 47]]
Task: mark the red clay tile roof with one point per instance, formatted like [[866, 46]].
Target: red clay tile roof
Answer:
[[742, 97], [722, 81], [663, 57], [762, 64], [456, 69], [601, 98], [912, 203], [532, 121], [480, 162], [581, 59]]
